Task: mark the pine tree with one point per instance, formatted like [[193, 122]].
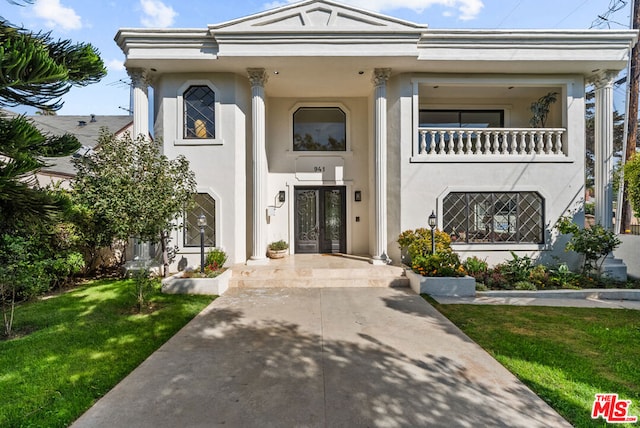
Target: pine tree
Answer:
[[35, 71]]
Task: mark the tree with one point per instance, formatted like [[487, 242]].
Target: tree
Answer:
[[35, 71], [134, 188], [632, 181]]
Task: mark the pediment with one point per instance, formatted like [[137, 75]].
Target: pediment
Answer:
[[314, 16]]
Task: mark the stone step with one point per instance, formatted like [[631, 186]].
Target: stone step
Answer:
[[318, 282], [308, 277]]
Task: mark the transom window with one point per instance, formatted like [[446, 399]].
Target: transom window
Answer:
[[199, 112], [461, 118], [204, 204], [494, 217], [319, 129]]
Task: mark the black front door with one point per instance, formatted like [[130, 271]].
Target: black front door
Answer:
[[320, 214]]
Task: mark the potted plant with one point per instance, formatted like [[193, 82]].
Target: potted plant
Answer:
[[277, 249], [540, 109]]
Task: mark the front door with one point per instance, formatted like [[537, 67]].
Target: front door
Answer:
[[320, 214]]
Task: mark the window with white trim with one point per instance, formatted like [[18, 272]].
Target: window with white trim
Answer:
[[494, 217], [322, 129], [204, 204], [199, 112]]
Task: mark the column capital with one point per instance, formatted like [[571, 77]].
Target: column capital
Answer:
[[602, 78], [380, 76], [140, 77], [257, 76]]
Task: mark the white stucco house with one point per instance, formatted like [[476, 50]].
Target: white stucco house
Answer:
[[334, 129]]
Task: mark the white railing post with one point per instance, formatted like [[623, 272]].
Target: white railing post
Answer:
[[499, 142]]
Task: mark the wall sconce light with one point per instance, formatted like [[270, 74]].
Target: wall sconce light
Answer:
[[357, 196], [282, 196]]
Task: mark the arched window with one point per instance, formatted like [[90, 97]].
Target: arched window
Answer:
[[199, 112], [320, 129], [204, 204]]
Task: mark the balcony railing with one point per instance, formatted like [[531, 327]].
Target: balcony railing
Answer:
[[504, 143]]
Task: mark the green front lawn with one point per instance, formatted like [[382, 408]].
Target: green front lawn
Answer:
[[565, 355], [72, 348]]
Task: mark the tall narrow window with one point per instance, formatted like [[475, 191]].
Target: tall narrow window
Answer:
[[321, 129], [204, 204], [199, 112], [496, 217]]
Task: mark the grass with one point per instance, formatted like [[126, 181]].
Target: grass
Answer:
[[565, 355], [70, 349]]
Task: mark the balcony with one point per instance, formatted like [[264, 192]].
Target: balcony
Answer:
[[491, 145]]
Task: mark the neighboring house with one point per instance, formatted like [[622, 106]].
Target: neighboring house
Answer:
[[86, 129], [336, 128]]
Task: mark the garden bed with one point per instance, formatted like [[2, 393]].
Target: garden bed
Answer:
[[177, 284]]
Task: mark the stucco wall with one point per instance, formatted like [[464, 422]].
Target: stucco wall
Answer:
[[219, 166], [282, 167], [629, 252], [422, 186]]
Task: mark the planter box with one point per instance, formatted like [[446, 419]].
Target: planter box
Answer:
[[277, 254], [176, 284], [464, 286]]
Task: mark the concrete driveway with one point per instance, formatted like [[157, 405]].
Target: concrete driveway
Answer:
[[328, 357]]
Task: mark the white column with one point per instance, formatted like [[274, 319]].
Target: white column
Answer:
[[603, 158], [380, 77], [140, 84], [258, 78]]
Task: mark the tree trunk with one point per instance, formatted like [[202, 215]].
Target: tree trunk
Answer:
[[165, 254]]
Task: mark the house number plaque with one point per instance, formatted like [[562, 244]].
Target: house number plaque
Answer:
[[320, 168]]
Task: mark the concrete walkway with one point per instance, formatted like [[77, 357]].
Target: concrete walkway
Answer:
[[320, 357]]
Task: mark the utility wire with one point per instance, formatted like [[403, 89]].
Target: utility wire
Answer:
[[605, 18], [570, 13]]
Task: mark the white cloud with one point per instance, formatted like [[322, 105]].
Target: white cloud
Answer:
[[156, 14], [57, 15], [467, 9], [115, 65]]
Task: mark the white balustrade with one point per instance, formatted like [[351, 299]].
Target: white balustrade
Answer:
[[496, 142]]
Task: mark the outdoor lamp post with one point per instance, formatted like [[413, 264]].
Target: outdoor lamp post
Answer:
[[202, 222], [432, 224]]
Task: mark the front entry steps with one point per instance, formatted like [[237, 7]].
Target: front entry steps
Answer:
[[318, 271]]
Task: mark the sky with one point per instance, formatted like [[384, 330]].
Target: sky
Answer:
[[98, 21]]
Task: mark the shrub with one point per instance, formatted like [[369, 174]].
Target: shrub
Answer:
[[476, 266], [593, 243], [144, 286], [496, 279], [418, 241], [215, 259], [632, 180], [444, 263], [524, 285], [539, 277], [518, 268]]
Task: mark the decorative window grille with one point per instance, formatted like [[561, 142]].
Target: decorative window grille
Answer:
[[199, 113], [204, 204], [494, 217]]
